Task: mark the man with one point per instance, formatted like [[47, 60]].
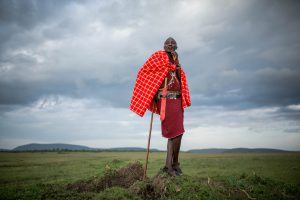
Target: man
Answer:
[[161, 87]]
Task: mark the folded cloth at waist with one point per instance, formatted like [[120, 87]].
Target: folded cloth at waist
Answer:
[[170, 95]]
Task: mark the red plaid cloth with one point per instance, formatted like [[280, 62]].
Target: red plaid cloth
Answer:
[[149, 79]]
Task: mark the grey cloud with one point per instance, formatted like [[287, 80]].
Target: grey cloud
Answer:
[[18, 17], [256, 52], [238, 54], [67, 70]]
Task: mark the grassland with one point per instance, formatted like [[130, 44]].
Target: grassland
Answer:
[[206, 176]]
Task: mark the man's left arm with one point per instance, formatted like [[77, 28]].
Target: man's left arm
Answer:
[[178, 65]]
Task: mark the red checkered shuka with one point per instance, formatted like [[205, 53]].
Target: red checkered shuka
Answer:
[[149, 78]]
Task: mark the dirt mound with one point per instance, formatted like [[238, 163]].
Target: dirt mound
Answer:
[[130, 176], [160, 186], [143, 189], [127, 183], [123, 177]]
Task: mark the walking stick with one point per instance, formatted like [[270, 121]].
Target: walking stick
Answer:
[[162, 116], [148, 146]]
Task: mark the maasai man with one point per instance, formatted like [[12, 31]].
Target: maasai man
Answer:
[[161, 87]]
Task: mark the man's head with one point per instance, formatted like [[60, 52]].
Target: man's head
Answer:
[[170, 45]]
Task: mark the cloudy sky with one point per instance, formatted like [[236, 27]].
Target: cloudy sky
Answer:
[[67, 71]]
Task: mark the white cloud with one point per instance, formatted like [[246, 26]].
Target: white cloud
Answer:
[[234, 137], [71, 66], [97, 124], [295, 107]]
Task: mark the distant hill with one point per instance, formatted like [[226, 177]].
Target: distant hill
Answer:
[[211, 150], [72, 147], [55, 146], [254, 150], [238, 150], [4, 150], [129, 149]]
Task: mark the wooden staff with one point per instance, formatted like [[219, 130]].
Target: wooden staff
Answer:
[[148, 146], [163, 101]]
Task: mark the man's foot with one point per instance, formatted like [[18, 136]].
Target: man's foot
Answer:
[[177, 169], [170, 172]]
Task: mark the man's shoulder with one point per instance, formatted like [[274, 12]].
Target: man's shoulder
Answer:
[[159, 52]]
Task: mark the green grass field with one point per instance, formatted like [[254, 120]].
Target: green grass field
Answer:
[[206, 176]]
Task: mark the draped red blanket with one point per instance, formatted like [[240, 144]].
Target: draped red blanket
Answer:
[[149, 79]]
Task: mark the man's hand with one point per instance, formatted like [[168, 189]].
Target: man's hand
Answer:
[[175, 58], [174, 55]]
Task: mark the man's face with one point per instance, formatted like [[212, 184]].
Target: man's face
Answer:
[[170, 45]]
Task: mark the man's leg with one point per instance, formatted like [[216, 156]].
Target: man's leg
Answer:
[[169, 159], [176, 149]]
